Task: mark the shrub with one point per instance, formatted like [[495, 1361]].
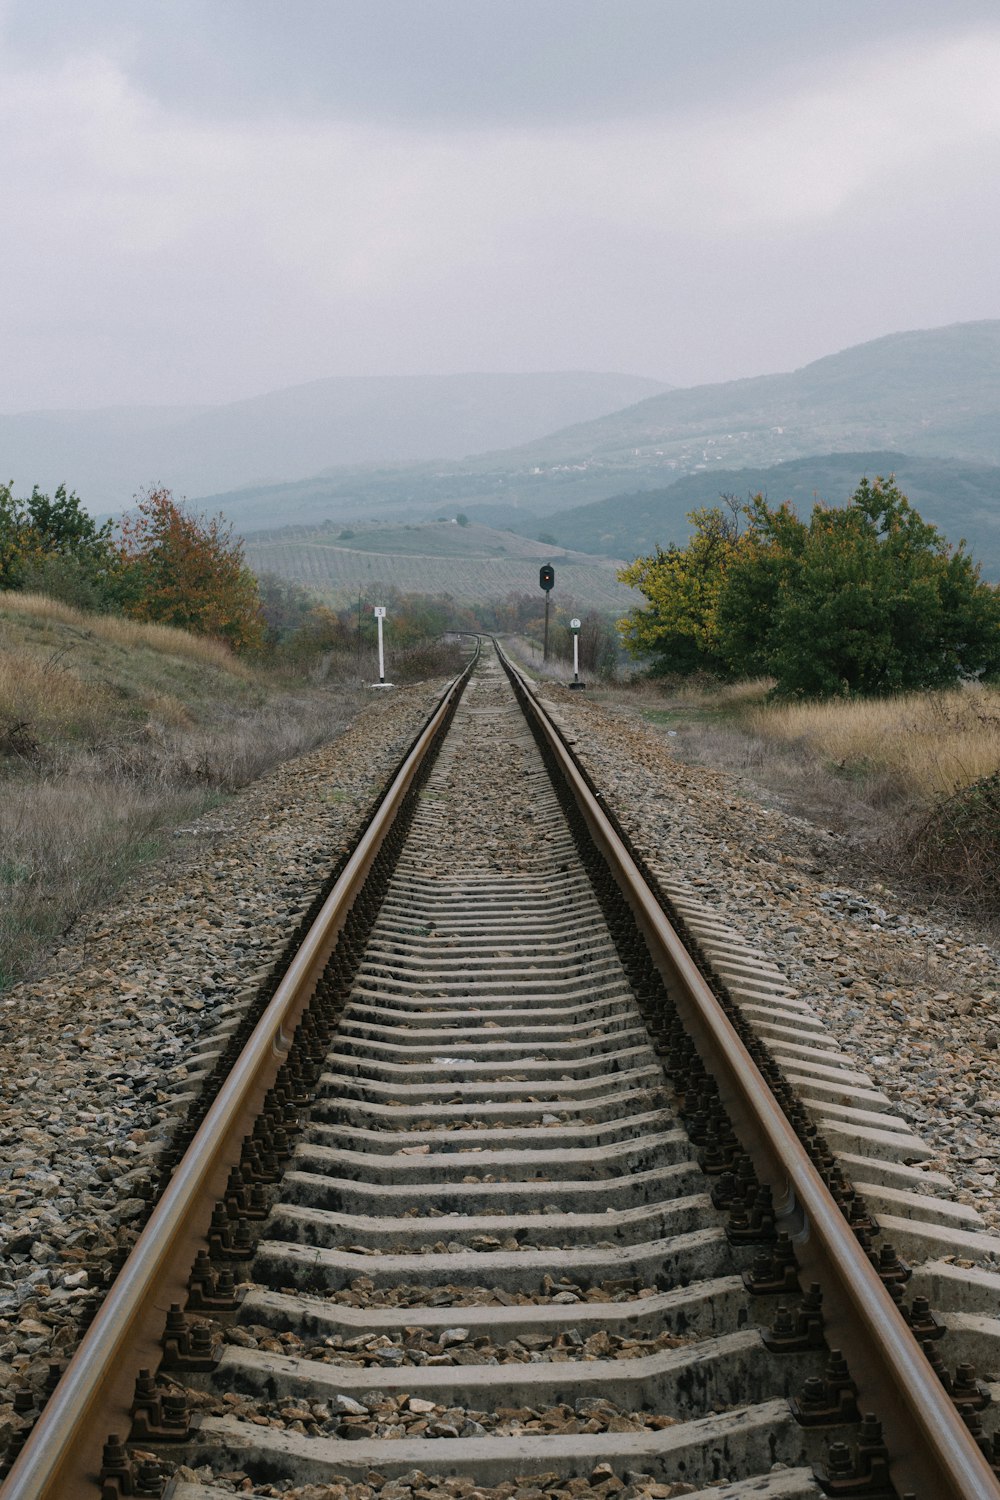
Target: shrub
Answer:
[[956, 846]]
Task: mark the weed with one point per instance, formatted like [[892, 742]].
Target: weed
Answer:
[[955, 845], [932, 743]]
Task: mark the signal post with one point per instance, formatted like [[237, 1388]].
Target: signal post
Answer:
[[546, 581]]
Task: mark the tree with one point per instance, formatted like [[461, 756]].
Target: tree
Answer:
[[10, 535], [63, 526], [285, 606], [867, 598], [186, 570], [49, 544], [678, 626]]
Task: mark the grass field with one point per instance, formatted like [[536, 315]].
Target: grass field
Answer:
[[111, 733], [471, 563], [931, 743]]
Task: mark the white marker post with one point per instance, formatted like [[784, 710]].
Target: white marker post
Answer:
[[574, 625], [380, 616]]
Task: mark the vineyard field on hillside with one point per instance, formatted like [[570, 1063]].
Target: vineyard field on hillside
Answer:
[[338, 572]]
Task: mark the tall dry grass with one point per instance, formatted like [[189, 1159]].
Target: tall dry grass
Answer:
[[111, 733], [66, 843], [129, 635], [76, 819], [911, 782], [47, 698], [932, 743]]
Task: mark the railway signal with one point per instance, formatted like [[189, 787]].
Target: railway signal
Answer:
[[574, 625], [379, 617], [546, 581]]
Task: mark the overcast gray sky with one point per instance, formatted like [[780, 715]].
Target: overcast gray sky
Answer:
[[207, 199]]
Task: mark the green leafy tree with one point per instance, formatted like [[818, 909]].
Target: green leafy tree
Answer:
[[50, 544], [867, 598], [10, 535], [63, 526]]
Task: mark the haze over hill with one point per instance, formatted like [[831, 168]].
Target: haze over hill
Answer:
[[933, 391], [929, 392], [108, 455]]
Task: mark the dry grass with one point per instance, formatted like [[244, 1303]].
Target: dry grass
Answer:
[[48, 699], [912, 782], [66, 843], [933, 743], [128, 635], [110, 734]]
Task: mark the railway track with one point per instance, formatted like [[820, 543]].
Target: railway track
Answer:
[[498, 1198]]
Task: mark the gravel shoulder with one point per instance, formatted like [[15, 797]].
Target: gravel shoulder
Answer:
[[917, 1002], [96, 1053]]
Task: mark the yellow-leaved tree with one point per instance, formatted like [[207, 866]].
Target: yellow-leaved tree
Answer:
[[678, 626]]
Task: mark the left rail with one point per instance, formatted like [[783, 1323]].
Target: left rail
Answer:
[[62, 1457]]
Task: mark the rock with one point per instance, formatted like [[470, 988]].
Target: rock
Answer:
[[450, 1336], [347, 1406]]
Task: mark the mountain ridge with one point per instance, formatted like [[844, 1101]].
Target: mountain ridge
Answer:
[[959, 357], [927, 393], [961, 499], [107, 455]]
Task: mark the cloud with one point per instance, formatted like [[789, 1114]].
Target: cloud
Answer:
[[156, 251]]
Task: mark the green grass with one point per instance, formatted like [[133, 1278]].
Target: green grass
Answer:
[[681, 715]]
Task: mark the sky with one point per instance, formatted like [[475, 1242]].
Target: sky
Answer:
[[209, 199]]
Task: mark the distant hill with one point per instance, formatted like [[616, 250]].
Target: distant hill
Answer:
[[961, 499], [107, 455], [932, 393], [471, 563]]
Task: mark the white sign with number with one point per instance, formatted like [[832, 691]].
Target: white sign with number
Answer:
[[574, 624], [380, 611]]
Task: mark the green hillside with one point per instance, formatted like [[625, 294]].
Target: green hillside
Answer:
[[961, 499], [471, 563]]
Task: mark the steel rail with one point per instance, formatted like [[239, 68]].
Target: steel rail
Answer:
[[61, 1459], [932, 1453]]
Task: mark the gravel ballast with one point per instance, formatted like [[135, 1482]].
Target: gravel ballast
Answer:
[[99, 1056], [915, 1001]]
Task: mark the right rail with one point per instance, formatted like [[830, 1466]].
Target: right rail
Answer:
[[934, 1454]]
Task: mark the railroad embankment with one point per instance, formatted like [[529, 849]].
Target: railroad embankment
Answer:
[[910, 783], [101, 1050], [112, 735]]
